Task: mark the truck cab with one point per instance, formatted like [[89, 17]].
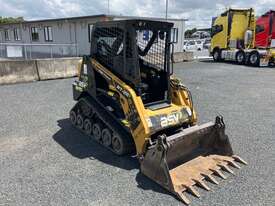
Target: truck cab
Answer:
[[228, 30], [233, 38], [265, 33], [265, 30]]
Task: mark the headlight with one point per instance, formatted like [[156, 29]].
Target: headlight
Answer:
[[189, 111], [85, 69]]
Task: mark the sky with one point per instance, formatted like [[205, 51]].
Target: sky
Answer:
[[198, 12]]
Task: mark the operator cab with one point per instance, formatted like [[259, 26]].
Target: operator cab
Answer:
[[138, 52]]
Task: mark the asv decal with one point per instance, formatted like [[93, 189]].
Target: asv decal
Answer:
[[170, 119]]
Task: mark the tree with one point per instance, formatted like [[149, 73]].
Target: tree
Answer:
[[5, 20], [189, 32]]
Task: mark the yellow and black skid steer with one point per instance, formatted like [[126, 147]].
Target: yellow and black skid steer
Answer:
[[129, 101]]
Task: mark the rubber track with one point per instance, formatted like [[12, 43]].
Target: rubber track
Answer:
[[111, 121]]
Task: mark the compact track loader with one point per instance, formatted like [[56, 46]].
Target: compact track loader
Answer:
[[129, 102]]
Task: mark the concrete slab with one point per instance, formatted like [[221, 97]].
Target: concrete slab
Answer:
[[57, 68], [15, 71]]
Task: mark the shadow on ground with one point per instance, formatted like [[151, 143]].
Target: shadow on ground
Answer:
[[81, 146]]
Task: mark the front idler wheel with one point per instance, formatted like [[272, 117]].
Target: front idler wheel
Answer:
[[73, 117]]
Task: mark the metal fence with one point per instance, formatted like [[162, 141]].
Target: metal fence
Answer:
[[37, 51]]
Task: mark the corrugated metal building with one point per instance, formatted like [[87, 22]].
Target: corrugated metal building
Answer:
[[61, 37]]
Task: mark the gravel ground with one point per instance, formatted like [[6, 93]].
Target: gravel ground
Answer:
[[45, 161]]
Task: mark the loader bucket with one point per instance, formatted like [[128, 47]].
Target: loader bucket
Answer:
[[188, 158]]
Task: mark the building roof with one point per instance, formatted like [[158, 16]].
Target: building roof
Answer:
[[58, 19], [91, 16], [147, 18]]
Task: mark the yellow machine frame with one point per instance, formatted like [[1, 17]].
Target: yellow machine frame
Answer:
[[142, 133]]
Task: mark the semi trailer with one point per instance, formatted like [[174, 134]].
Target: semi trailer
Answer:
[[233, 36]]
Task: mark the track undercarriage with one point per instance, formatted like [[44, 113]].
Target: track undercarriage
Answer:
[[101, 126]]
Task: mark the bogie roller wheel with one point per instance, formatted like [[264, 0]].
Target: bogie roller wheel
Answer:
[[106, 137], [254, 59], [73, 117], [79, 121], [97, 131], [240, 57], [88, 126], [118, 145]]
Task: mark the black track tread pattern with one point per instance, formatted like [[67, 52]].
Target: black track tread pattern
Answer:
[[110, 121]]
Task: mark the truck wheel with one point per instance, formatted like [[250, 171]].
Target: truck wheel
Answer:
[[254, 59], [217, 55], [240, 57]]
